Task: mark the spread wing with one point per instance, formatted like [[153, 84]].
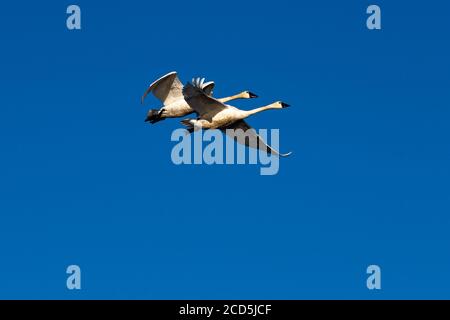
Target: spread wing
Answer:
[[198, 100], [167, 89], [250, 138]]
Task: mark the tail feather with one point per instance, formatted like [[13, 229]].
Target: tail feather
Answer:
[[154, 116], [187, 122], [190, 127]]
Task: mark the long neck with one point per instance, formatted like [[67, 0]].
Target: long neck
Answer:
[[236, 96], [260, 109]]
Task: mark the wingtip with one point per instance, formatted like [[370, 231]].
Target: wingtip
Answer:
[[149, 89], [286, 154]]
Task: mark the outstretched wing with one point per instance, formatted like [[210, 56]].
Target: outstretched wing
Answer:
[[249, 137], [198, 100], [167, 89]]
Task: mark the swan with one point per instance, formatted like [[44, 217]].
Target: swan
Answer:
[[214, 114], [169, 90]]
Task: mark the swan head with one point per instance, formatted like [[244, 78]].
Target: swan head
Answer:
[[250, 95], [282, 104]]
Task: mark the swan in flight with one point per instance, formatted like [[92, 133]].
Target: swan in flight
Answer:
[[214, 114], [169, 90]]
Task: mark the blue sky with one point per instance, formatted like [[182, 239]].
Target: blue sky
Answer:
[[84, 181]]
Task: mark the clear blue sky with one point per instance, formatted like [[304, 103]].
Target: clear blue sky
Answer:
[[84, 181]]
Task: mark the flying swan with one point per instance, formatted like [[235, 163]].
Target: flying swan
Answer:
[[169, 90], [214, 114]]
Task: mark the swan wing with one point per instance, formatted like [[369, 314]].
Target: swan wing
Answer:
[[208, 88], [197, 98], [167, 89], [249, 137]]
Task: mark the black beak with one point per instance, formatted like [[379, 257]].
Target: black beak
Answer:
[[285, 105], [252, 95]]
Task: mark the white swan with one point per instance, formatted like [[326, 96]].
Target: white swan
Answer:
[[213, 114], [169, 90]]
